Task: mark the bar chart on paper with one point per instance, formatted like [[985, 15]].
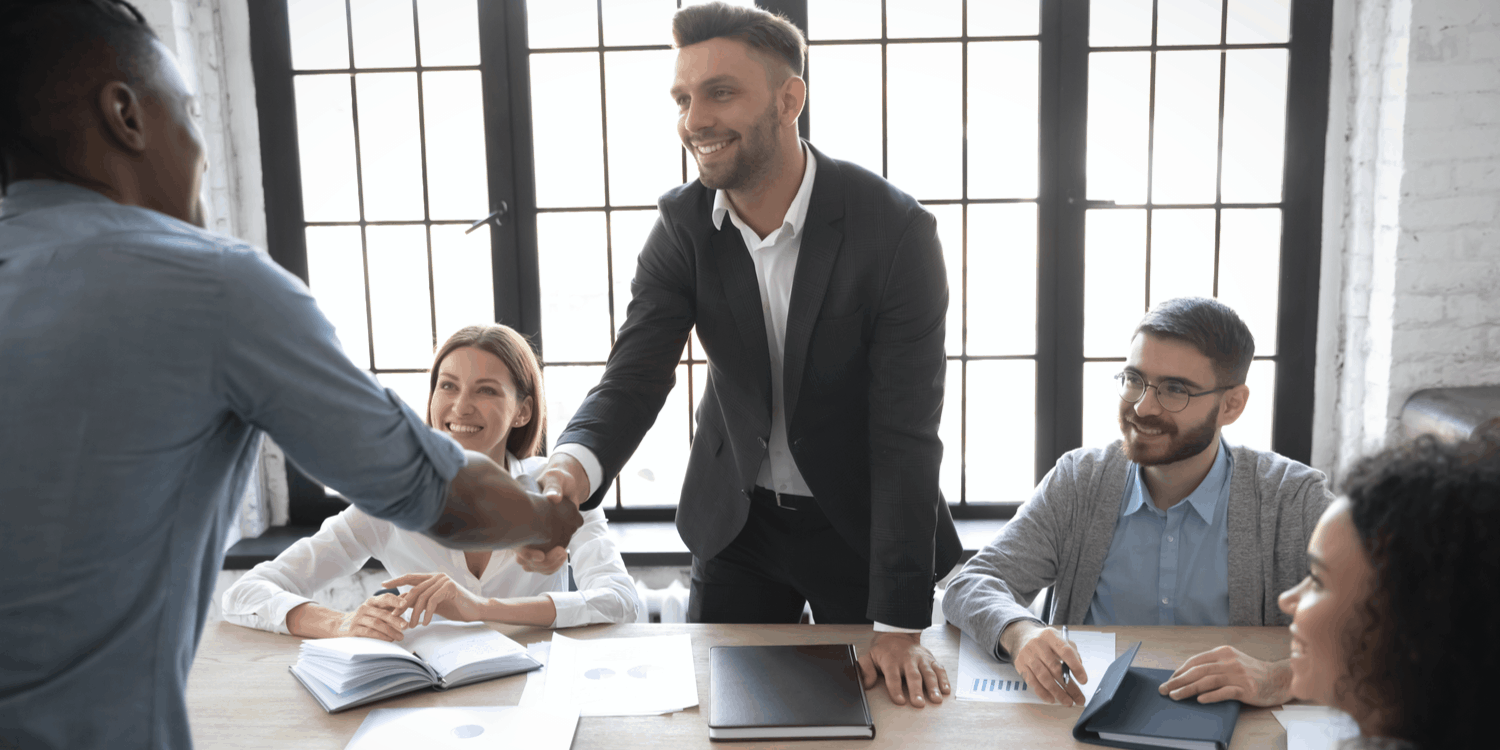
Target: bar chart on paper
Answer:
[[982, 685], [982, 677]]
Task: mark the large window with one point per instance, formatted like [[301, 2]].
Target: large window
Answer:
[[1084, 160]]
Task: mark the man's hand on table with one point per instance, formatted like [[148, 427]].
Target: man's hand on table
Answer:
[[1227, 673], [1038, 653], [901, 656], [564, 479]]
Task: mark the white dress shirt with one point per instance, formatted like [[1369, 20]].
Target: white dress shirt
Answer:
[[775, 258], [262, 598]]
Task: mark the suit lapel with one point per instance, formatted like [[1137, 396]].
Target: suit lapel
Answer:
[[742, 291], [821, 240]]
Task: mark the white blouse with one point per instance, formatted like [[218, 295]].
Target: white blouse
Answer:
[[263, 596]]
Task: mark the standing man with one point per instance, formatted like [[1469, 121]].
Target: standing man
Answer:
[[141, 358], [819, 293]]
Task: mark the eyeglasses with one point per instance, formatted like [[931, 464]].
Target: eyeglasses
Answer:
[[1173, 395]]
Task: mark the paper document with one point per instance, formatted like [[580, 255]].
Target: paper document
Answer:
[[981, 677], [546, 728], [536, 679], [1315, 727], [622, 676]]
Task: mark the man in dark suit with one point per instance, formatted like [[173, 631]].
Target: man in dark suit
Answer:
[[819, 294]]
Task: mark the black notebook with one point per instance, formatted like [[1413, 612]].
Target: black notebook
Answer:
[[786, 693], [1127, 711]]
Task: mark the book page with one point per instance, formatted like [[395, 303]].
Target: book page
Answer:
[[448, 646]]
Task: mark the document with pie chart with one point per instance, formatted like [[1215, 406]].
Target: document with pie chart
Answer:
[[622, 676]]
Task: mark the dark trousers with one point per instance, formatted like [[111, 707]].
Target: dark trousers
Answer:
[[781, 559]]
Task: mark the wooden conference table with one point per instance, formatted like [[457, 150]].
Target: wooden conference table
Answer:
[[240, 694]]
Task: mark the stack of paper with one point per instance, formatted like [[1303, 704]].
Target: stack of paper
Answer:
[[1315, 727], [981, 677], [618, 676]]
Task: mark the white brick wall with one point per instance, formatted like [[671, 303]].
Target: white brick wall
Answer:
[[1413, 182]]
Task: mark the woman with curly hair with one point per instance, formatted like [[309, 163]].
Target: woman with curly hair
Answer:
[[1395, 622]]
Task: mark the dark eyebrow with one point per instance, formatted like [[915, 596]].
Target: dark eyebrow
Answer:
[[719, 80], [1192, 386], [1315, 560]]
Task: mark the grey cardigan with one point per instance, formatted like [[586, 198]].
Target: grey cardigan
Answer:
[[1062, 536]]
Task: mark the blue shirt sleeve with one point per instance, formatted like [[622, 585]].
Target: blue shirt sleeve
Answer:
[[280, 368]]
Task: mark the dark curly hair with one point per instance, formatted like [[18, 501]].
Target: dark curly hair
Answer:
[[1427, 513], [43, 42]]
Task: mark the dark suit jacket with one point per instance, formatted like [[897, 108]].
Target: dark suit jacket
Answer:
[[863, 368]]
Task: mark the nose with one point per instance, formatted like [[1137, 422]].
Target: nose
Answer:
[[1148, 404], [1289, 598], [697, 116], [462, 404]]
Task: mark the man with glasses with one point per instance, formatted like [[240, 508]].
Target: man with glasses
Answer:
[[1168, 526]]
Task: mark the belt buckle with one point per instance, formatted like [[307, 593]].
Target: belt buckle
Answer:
[[779, 504]]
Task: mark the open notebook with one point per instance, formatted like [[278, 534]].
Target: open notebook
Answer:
[[346, 672]]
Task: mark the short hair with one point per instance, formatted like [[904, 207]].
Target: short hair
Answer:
[[769, 33], [1427, 513], [45, 42], [515, 352], [1211, 327]]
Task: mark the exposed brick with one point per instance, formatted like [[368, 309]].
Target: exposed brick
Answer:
[[1466, 310], [1476, 109], [1432, 78], [1434, 113], [1459, 143], [1471, 176], [1414, 311], [1421, 213], [1433, 179]]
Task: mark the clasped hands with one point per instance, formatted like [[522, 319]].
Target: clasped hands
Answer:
[[1219, 674], [383, 616]]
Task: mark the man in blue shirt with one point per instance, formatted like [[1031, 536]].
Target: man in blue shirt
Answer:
[[141, 358], [1168, 526]]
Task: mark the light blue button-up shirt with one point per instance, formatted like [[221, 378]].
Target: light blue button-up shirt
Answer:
[[140, 360], [1168, 567]]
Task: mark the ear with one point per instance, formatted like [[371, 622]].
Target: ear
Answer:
[[791, 97], [1233, 404], [523, 415], [123, 113]]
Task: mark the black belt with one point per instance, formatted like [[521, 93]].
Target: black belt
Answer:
[[783, 500]]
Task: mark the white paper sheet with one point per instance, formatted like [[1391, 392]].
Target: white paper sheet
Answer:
[[981, 677], [622, 676], [536, 679], [546, 728], [1315, 727]]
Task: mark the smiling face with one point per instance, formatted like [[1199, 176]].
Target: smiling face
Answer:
[[1155, 436], [475, 401], [1325, 607], [728, 114]]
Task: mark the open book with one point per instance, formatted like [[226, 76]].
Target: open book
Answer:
[[346, 672]]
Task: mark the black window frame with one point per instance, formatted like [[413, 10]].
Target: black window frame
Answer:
[[1061, 207]]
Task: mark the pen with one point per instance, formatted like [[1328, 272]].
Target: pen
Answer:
[[1067, 674]]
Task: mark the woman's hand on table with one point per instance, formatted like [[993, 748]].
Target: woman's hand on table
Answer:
[[376, 618], [437, 594]]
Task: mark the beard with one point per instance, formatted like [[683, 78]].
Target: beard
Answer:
[[754, 155], [1180, 444]]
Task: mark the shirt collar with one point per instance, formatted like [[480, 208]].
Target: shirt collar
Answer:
[[29, 195], [796, 214], [1204, 499]]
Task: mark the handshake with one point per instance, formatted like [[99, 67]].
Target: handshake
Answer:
[[487, 508]]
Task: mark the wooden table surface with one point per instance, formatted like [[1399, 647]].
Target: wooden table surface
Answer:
[[240, 694]]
